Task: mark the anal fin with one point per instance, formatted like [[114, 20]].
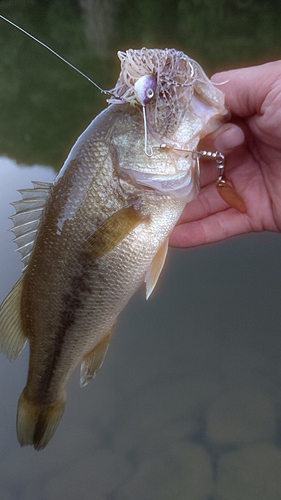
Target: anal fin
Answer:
[[12, 339], [155, 268], [94, 359]]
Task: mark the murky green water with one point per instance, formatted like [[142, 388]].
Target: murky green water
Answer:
[[188, 403]]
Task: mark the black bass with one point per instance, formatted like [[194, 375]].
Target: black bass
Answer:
[[90, 239]]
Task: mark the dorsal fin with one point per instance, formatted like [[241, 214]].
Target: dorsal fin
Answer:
[[27, 217]]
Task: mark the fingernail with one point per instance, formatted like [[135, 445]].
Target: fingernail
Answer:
[[219, 78], [229, 139]]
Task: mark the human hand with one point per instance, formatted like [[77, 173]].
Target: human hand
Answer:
[[251, 143]]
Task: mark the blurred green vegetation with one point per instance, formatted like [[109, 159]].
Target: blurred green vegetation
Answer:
[[44, 105]]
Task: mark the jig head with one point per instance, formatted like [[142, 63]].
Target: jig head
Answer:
[[145, 88]]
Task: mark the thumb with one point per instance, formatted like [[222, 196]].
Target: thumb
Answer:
[[246, 89], [225, 139]]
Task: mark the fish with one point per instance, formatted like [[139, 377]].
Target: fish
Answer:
[[91, 238]]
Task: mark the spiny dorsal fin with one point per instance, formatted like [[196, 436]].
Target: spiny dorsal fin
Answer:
[[155, 268], [27, 217], [113, 231], [12, 340]]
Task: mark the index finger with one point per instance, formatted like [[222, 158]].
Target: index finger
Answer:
[[245, 89]]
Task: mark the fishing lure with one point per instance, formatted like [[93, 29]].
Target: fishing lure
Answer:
[[142, 92]]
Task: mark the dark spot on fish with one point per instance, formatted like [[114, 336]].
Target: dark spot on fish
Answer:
[[40, 428], [74, 301]]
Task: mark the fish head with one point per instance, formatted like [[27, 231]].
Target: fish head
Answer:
[[180, 105]]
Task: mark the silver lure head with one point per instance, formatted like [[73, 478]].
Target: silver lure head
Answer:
[[164, 81], [145, 88]]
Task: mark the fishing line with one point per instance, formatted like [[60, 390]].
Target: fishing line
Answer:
[[221, 183], [57, 55]]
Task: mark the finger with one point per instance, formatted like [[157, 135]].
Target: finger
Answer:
[[207, 203], [235, 169], [246, 89], [214, 228], [225, 139]]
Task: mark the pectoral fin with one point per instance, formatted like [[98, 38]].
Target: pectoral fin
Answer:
[[113, 231], [12, 339], [155, 268], [93, 360]]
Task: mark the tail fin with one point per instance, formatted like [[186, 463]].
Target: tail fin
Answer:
[[36, 424]]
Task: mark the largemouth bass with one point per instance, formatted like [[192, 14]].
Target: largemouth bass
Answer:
[[90, 239]]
